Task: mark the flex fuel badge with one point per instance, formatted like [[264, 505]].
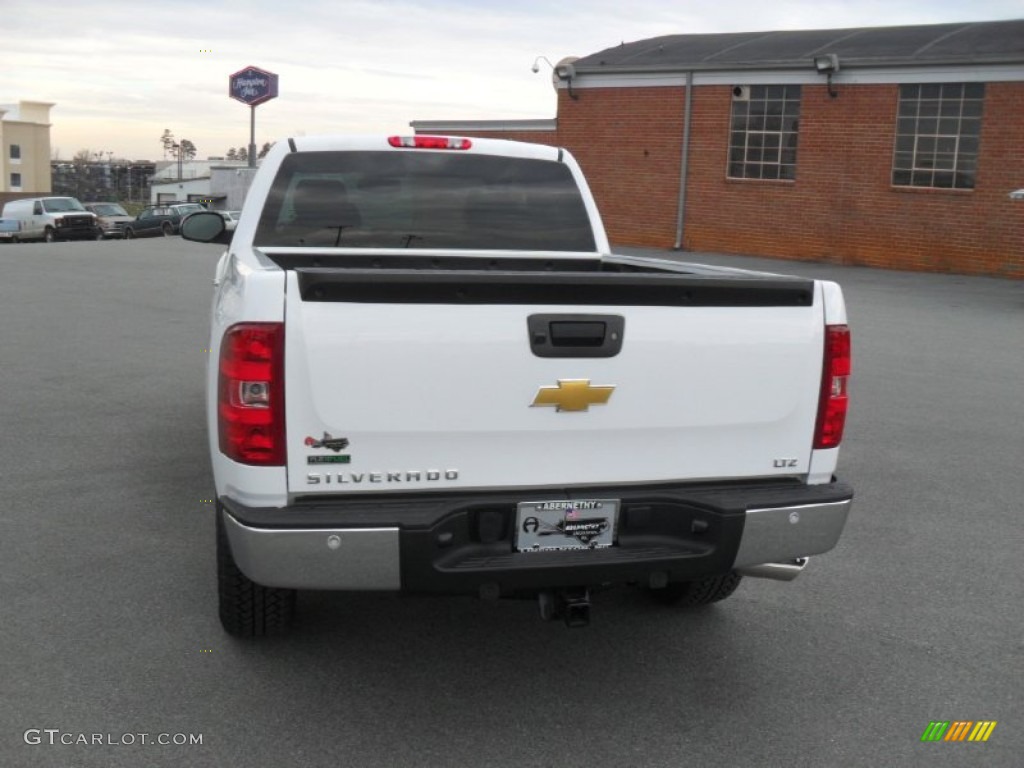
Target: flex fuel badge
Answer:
[[342, 459], [336, 444]]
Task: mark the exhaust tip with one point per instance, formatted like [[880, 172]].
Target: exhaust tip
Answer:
[[784, 571]]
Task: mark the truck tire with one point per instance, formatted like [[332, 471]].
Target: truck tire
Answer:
[[699, 592], [248, 609], [49, 235]]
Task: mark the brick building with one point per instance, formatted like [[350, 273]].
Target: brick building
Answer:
[[891, 146]]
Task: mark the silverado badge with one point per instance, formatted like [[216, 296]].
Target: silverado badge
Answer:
[[573, 395], [334, 443]]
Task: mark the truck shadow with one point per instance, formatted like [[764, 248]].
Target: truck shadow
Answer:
[[469, 649]]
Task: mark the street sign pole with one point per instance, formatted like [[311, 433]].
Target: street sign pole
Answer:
[[252, 86], [252, 136]]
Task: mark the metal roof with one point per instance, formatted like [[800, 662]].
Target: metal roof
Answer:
[[981, 42]]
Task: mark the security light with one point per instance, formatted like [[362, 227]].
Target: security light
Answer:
[[563, 71], [828, 64]]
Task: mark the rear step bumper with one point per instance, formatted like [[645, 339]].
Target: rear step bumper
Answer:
[[463, 543]]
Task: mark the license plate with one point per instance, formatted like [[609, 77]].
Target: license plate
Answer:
[[573, 524]]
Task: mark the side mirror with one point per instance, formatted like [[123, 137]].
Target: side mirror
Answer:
[[205, 227]]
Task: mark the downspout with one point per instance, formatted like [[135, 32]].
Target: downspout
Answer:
[[685, 164]]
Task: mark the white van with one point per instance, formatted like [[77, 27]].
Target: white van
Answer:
[[52, 218]]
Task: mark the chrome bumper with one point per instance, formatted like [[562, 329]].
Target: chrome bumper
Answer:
[[777, 541], [775, 544], [324, 558]]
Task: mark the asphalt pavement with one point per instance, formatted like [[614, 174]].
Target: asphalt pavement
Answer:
[[109, 627]]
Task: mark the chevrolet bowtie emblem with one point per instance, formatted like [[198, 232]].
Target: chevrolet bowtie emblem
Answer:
[[573, 395]]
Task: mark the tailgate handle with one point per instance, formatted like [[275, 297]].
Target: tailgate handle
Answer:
[[576, 335], [565, 333]]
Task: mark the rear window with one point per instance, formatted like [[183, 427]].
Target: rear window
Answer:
[[423, 199]]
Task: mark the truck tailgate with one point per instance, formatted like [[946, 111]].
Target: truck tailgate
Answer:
[[385, 396]]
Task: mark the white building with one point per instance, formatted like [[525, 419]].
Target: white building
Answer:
[[167, 170], [223, 188]]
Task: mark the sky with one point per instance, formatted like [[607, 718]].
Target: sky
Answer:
[[122, 71]]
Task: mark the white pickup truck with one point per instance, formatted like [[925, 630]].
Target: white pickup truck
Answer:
[[429, 374]]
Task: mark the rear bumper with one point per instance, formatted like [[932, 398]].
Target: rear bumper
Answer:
[[463, 543], [111, 230]]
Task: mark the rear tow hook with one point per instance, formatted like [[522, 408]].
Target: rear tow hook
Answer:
[[572, 605]]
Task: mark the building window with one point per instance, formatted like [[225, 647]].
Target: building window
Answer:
[[15, 152], [937, 130], [763, 135], [16, 180]]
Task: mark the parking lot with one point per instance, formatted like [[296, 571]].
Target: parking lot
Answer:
[[108, 592]]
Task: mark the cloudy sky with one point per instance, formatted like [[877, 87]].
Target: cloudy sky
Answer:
[[121, 71]]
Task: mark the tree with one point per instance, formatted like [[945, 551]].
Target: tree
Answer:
[[167, 139], [264, 149], [188, 149], [231, 154], [242, 154], [86, 177]]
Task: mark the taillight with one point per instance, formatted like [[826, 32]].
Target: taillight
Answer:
[[833, 400], [251, 394], [429, 142]]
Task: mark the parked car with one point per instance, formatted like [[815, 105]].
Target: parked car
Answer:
[[10, 230], [111, 218], [51, 218], [230, 219], [164, 219]]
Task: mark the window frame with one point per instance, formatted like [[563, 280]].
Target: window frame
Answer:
[[775, 128], [14, 183], [930, 119]]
